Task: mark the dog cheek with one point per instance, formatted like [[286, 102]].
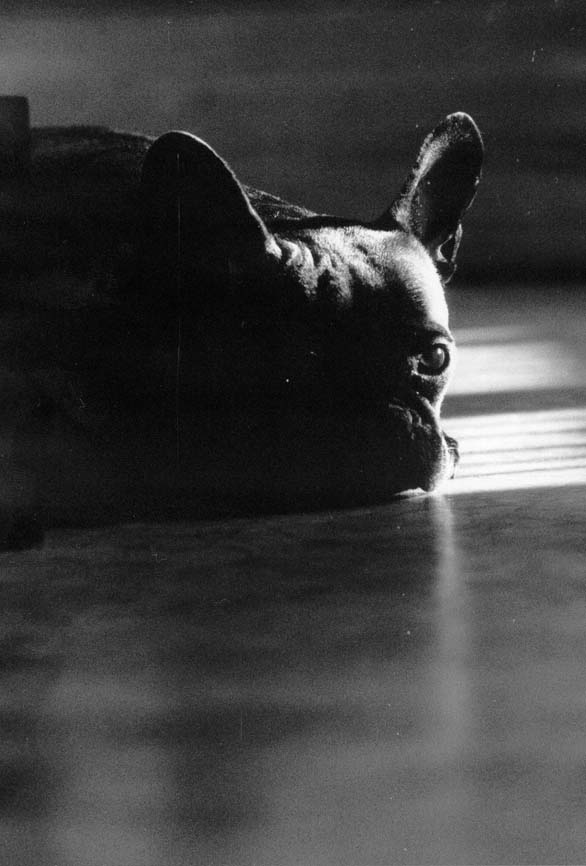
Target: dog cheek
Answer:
[[425, 458], [438, 463]]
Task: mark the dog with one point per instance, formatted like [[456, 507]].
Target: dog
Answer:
[[175, 343]]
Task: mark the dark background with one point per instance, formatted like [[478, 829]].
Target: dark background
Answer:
[[326, 103]]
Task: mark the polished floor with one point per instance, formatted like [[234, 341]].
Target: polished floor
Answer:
[[402, 684]]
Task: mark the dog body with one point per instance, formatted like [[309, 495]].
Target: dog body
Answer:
[[175, 343]]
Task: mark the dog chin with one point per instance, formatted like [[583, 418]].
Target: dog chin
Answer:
[[306, 460]]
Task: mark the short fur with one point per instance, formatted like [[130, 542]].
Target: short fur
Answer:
[[174, 343]]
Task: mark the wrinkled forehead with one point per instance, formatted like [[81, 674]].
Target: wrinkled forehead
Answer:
[[357, 263]]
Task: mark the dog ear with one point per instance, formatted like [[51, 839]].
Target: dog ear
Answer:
[[439, 190], [193, 198], [15, 136]]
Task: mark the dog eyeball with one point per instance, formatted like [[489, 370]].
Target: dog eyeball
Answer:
[[434, 360]]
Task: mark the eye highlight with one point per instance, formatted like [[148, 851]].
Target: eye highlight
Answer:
[[434, 360]]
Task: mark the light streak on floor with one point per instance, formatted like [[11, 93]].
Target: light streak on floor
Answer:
[[489, 368], [507, 450]]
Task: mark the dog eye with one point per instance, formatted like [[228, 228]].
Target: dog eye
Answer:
[[434, 360]]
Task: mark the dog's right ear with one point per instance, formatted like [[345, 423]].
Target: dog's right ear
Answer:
[[440, 189], [15, 137], [193, 198]]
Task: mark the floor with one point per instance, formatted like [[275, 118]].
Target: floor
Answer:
[[403, 684]]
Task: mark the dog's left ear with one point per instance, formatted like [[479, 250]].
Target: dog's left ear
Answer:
[[440, 189]]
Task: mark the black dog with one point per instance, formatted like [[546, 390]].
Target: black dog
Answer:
[[174, 343]]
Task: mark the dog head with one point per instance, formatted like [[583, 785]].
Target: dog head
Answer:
[[343, 324]]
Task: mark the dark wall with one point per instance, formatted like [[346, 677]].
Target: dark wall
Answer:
[[326, 103]]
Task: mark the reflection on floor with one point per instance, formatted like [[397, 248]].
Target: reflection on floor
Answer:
[[403, 684]]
